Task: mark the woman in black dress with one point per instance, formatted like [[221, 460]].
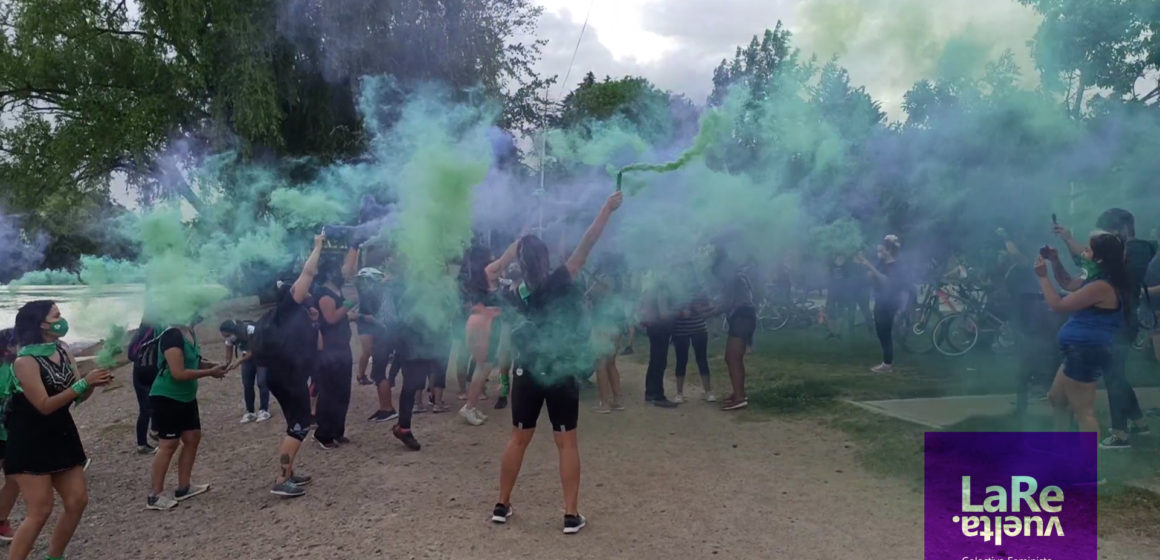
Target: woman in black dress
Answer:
[[44, 449]]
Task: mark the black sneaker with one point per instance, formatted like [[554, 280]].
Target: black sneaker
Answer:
[[663, 403], [501, 403], [1138, 430], [383, 416], [146, 449], [342, 440], [407, 438], [573, 524], [326, 445], [301, 480], [501, 513]]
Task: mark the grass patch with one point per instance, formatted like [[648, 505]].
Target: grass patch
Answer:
[[801, 372], [794, 397]]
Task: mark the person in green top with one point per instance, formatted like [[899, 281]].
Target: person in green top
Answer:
[[173, 399], [7, 383]]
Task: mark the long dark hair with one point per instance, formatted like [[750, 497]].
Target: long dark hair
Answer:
[[1108, 252], [7, 339], [532, 254], [473, 274], [29, 319]]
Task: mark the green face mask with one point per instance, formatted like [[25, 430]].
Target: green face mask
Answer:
[[1091, 268], [59, 328]]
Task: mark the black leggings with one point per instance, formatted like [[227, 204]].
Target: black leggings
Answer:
[[658, 360], [884, 326], [142, 384], [333, 383], [700, 342], [415, 374]]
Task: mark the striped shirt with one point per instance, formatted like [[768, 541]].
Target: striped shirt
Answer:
[[693, 321]]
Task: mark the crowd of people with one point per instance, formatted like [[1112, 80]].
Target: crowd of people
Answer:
[[543, 330]]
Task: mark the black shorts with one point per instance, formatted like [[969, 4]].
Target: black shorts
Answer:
[[1086, 364], [3, 449], [287, 383], [370, 328], [531, 391], [171, 418], [743, 323]]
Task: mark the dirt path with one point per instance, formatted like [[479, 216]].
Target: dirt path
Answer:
[[687, 483]]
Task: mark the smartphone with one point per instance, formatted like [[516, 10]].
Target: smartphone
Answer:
[[1045, 251]]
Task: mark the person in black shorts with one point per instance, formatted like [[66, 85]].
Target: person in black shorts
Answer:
[[335, 362], [741, 312], [289, 351], [173, 399], [372, 297], [44, 452], [552, 354]]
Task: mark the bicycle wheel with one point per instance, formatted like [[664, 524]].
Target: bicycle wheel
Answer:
[[956, 334], [919, 338], [774, 318]]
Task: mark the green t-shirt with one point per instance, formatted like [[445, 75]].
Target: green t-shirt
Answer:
[[165, 385], [7, 387]]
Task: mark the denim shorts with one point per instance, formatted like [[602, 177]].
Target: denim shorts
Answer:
[[1086, 363]]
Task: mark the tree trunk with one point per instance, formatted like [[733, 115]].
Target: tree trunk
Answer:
[[1077, 110]]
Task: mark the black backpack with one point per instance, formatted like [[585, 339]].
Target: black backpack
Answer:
[[265, 342], [142, 348]]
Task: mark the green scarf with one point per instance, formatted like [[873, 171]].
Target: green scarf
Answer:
[[43, 350]]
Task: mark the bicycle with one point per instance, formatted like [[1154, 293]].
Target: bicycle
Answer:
[[917, 326], [959, 333]]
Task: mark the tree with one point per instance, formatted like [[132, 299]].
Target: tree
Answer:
[[1082, 45], [88, 90]]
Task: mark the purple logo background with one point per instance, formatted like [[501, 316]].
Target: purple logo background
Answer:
[[1066, 460]]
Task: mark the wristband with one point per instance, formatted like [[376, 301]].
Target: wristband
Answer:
[[80, 387]]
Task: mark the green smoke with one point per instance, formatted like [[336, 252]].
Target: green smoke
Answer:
[[300, 208], [177, 287], [48, 277], [113, 347], [713, 125]]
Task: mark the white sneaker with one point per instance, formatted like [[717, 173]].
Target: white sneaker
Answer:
[[679, 398], [160, 503], [471, 416], [710, 397], [263, 416], [248, 417], [882, 368]]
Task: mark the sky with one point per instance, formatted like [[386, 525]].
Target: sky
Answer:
[[886, 44]]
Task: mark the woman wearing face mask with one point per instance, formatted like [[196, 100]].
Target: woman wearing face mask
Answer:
[[1097, 313], [9, 493], [888, 294], [44, 449], [553, 354]]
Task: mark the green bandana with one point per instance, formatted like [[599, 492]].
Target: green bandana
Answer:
[[43, 350]]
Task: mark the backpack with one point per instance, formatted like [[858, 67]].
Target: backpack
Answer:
[[139, 353], [265, 343], [1137, 270]]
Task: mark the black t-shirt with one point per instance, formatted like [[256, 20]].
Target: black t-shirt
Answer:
[[170, 339], [554, 337], [370, 296], [889, 290], [295, 333], [335, 336]]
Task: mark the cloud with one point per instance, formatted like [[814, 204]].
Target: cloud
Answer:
[[886, 44]]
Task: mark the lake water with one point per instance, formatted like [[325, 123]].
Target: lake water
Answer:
[[90, 311]]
